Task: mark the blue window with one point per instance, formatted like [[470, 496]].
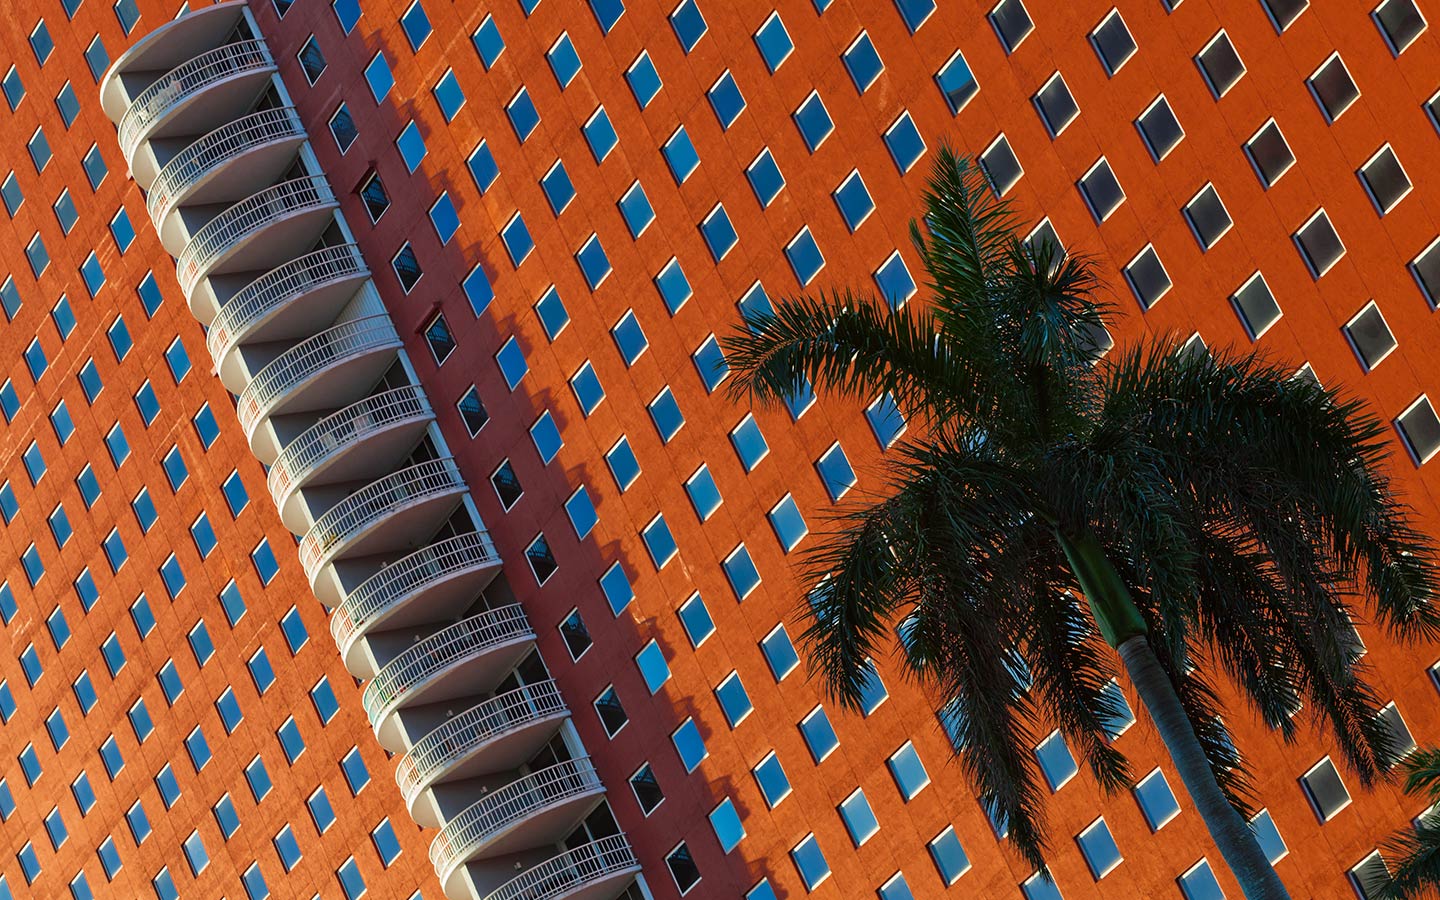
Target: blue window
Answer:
[[564, 61], [149, 292], [488, 42], [142, 617], [551, 312], [957, 82], [411, 145], [95, 168], [1156, 800], [689, 745], [719, 234], [444, 218], [659, 542], [483, 169], [886, 420], [259, 779], [726, 822], [347, 12], [788, 524], [38, 256], [749, 443], [624, 468], [34, 565], [558, 188], [263, 558], [178, 360], [323, 697], [636, 209], [949, 857], [805, 257], [653, 668], [89, 378], [140, 721], [175, 469], [689, 24], [93, 274], [10, 298], [1098, 847], [680, 155], [416, 25], [115, 552], [524, 117], [863, 62], [1056, 760], [854, 200], [14, 88], [293, 627], [859, 819], [643, 79], [198, 749], [30, 664], [600, 134], [673, 286], [810, 862], [734, 701], [62, 423], [894, 281], [813, 120], [378, 76], [448, 95], [629, 338], [144, 509], [915, 12], [9, 507], [581, 511], [200, 643], [710, 362], [34, 463], [616, 587], [173, 576], [1122, 718], [170, 683], [774, 42], [511, 360], [908, 771], [774, 783], [665, 414], [65, 212], [518, 242], [9, 400], [904, 142], [546, 437], [321, 811], [147, 403], [14, 196], [726, 100], [1269, 836], [695, 617], [39, 148], [593, 262], [232, 603], [765, 178], [60, 527], [478, 290], [588, 391], [1196, 883], [122, 231], [607, 13], [835, 471], [740, 571], [35, 359]]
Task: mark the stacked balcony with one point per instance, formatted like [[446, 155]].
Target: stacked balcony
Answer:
[[389, 540]]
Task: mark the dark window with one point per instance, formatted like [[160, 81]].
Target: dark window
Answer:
[[407, 267], [1269, 153], [1370, 336], [1421, 429], [376, 200], [441, 341], [311, 59], [1220, 64], [1147, 277], [1333, 88], [1207, 216]]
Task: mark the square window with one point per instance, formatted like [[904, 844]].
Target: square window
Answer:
[[805, 257], [582, 513], [1208, 219], [726, 100], [689, 745], [1056, 761], [1384, 179], [615, 585], [810, 862], [342, 128], [1333, 88], [903, 141], [482, 166], [1269, 153], [643, 79], [1159, 128], [659, 542], [681, 865], [411, 145], [719, 234], [773, 782], [863, 62], [1012, 23], [680, 155], [507, 485], [1371, 877], [541, 560], [636, 209], [488, 42], [624, 468], [1113, 42], [1056, 105], [710, 363], [1327, 793], [321, 812], [1098, 847], [886, 420], [416, 25], [914, 12], [564, 61], [1220, 64], [312, 60], [448, 95], [689, 24], [1400, 22], [704, 495], [653, 668], [1269, 836], [1426, 270], [749, 443], [1198, 882], [1370, 336], [789, 526], [600, 134], [948, 855], [607, 12], [593, 262], [575, 634], [695, 617], [587, 388], [894, 281], [741, 572], [819, 734], [518, 242], [854, 201], [813, 120], [1101, 190], [347, 12], [1256, 306], [773, 42], [1318, 243], [859, 819], [1147, 277], [1040, 887], [524, 117], [765, 178], [733, 699], [957, 82], [1000, 165]]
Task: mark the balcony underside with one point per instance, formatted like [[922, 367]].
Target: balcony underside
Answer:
[[545, 826], [364, 456], [303, 313], [338, 384], [407, 527], [228, 181], [470, 674], [199, 112], [163, 49], [277, 240]]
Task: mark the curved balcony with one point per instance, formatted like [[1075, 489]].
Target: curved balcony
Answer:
[[258, 232], [326, 371], [594, 871], [385, 515], [446, 575], [169, 45], [494, 736], [228, 78], [532, 810], [469, 657], [231, 162], [266, 308], [361, 441]]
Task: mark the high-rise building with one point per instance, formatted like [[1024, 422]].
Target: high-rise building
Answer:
[[455, 397]]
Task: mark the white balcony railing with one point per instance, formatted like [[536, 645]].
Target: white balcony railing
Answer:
[[468, 832], [184, 80], [472, 729], [338, 432], [249, 215], [422, 660], [287, 281], [403, 578], [307, 358], [556, 877], [210, 151], [373, 503]]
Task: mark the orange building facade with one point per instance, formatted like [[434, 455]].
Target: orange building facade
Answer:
[[435, 561]]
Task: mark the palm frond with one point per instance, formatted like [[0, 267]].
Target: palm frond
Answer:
[[1416, 867]]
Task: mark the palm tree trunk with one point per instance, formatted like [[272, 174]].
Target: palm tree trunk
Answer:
[[1232, 835], [1123, 627]]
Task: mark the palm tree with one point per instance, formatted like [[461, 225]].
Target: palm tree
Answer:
[[1416, 850], [1201, 515]]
